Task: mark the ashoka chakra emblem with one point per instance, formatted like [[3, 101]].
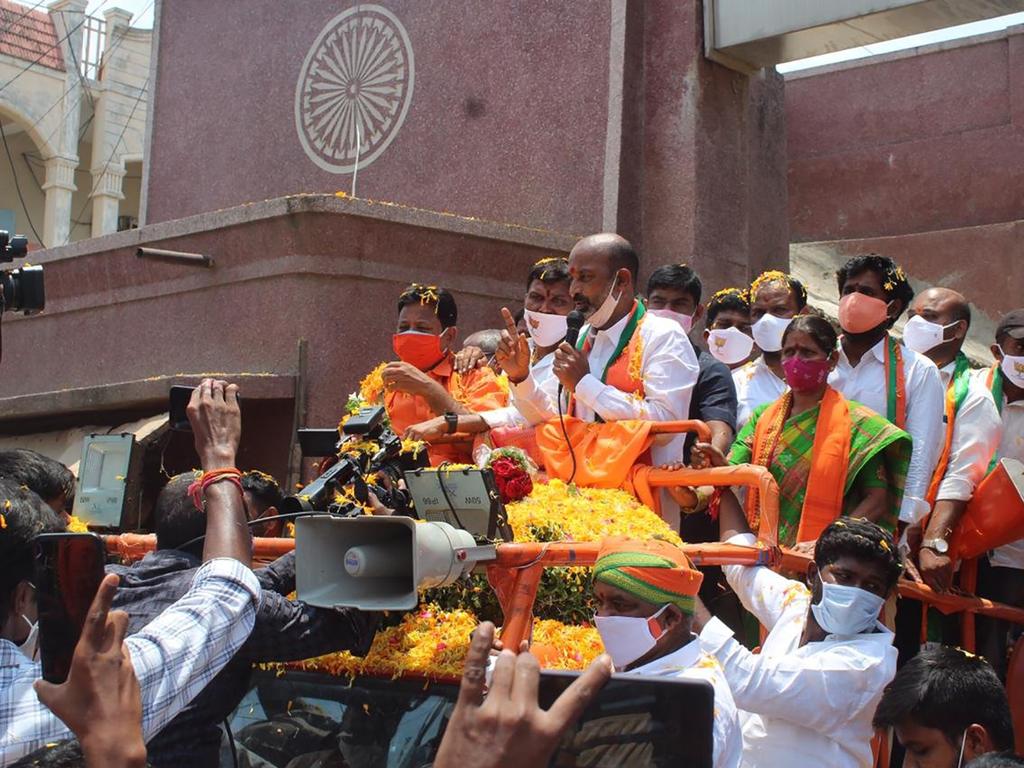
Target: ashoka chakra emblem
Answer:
[[354, 89]]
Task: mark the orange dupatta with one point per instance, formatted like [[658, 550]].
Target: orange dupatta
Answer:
[[605, 452], [830, 457]]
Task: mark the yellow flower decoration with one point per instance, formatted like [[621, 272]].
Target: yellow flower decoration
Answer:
[[77, 525], [371, 388], [767, 278], [636, 359], [740, 293]]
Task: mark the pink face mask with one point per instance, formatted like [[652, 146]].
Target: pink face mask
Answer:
[[805, 375], [859, 313]]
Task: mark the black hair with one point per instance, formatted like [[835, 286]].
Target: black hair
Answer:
[[175, 517], [64, 754], [553, 269], [263, 488], [47, 477], [893, 278], [23, 516], [728, 300], [431, 296], [775, 276], [818, 328], [996, 760], [861, 539], [678, 277], [948, 689]]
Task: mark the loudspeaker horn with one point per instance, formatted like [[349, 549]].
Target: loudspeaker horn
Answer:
[[378, 563]]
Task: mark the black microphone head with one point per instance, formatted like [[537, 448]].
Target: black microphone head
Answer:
[[573, 322]]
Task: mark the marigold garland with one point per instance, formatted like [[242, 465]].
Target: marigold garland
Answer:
[[77, 525], [371, 388]]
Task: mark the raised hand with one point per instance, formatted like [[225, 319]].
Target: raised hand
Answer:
[[513, 353], [216, 423]]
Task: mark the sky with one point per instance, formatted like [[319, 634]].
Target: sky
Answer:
[[143, 17], [142, 10]]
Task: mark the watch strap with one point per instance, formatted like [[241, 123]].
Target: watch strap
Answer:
[[453, 422]]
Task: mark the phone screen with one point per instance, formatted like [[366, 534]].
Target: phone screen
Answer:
[[179, 400], [68, 572]]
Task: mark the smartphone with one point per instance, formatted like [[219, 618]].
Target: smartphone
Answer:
[[68, 570], [637, 721], [179, 400]]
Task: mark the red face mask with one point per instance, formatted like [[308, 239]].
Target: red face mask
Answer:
[[805, 375], [859, 313], [421, 350]]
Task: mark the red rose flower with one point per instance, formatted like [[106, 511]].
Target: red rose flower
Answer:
[[504, 468], [518, 488]]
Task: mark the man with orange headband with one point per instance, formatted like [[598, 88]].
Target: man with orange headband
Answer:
[[645, 593], [423, 384]]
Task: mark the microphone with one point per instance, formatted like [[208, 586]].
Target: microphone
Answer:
[[573, 324]]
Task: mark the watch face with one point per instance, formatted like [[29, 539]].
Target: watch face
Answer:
[[939, 545]]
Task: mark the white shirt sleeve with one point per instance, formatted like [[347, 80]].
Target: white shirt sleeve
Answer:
[[925, 396], [669, 371], [818, 691], [762, 591], [976, 434], [535, 400], [180, 651]]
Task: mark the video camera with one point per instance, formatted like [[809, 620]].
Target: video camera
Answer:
[[21, 289], [369, 458]]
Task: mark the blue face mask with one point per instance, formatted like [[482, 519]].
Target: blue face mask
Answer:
[[846, 610]]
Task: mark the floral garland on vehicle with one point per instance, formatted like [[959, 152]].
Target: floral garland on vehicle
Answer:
[[513, 473]]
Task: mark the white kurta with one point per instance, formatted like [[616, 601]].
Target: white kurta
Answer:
[[756, 384], [807, 705], [691, 663], [520, 413], [866, 384]]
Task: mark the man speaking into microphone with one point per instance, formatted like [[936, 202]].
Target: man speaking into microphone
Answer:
[[626, 367]]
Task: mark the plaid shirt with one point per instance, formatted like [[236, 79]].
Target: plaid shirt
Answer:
[[174, 657], [285, 630]]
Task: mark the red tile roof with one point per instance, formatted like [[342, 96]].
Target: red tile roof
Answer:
[[29, 35]]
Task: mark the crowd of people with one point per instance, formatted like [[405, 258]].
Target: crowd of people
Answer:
[[877, 444]]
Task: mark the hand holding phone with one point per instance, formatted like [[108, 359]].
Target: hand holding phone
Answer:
[[100, 701], [68, 570], [211, 411]]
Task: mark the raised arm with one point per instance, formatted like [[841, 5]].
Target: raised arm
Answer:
[[217, 424]]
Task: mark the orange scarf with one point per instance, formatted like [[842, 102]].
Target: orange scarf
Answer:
[[605, 452], [830, 457]]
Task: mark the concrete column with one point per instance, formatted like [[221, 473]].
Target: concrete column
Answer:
[[59, 187], [68, 17], [106, 198]]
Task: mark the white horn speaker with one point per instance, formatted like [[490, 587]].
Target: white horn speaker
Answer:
[[378, 563]]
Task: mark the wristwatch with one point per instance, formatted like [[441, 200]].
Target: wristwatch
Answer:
[[452, 420], [939, 545]]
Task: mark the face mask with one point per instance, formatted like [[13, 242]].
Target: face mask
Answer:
[[730, 345], [30, 645], [1013, 369], [768, 332], [599, 318], [859, 313], [846, 610], [422, 350], [628, 638], [921, 335], [686, 321], [805, 375], [545, 330]]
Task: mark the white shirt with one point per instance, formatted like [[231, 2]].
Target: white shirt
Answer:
[[808, 705], [174, 657], [1010, 446], [756, 384], [691, 663], [669, 370], [977, 430], [925, 406], [522, 413]]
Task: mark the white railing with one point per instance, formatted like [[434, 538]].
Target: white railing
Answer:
[[94, 41]]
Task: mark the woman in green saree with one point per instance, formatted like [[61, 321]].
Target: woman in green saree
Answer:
[[831, 457]]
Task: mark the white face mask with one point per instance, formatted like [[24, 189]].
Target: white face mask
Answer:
[[545, 330], [730, 345], [686, 321], [963, 743], [628, 638], [768, 332], [846, 610], [922, 335], [602, 314], [30, 645], [1013, 369]]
